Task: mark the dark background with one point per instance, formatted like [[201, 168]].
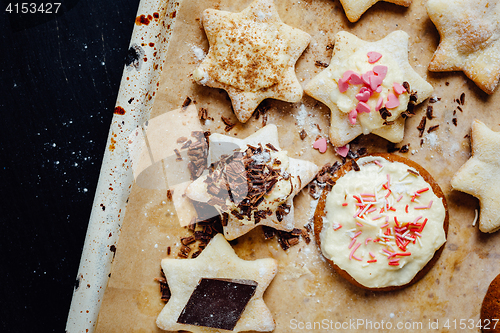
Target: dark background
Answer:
[[59, 78]]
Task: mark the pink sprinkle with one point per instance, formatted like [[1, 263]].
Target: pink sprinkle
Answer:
[[373, 57], [418, 234], [358, 224], [371, 254], [384, 225], [378, 163], [375, 82], [321, 145], [357, 234], [392, 101], [387, 219], [417, 219], [399, 199], [398, 89], [352, 243], [363, 96], [357, 258], [377, 217], [354, 250], [424, 207], [380, 70], [371, 210], [366, 77], [363, 107], [367, 195], [342, 151], [356, 79], [335, 229], [347, 75], [343, 85], [388, 180], [352, 117], [380, 102], [387, 251]]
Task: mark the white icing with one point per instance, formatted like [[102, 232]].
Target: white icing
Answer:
[[334, 244], [347, 101]]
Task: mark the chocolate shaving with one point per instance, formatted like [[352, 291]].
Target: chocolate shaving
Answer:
[[462, 99], [170, 194], [429, 112], [164, 289], [404, 149], [186, 103], [413, 172], [303, 134], [330, 46], [320, 64], [186, 144], [270, 146], [432, 128], [434, 99], [355, 165], [228, 123], [406, 85], [187, 240], [460, 109], [178, 154], [421, 126], [454, 121], [268, 232], [384, 113], [182, 139], [410, 111], [203, 114], [282, 211], [413, 97]]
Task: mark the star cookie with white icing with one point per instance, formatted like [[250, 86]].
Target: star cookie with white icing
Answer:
[[355, 8], [480, 175], [252, 56], [368, 86], [470, 31], [217, 290], [252, 182]]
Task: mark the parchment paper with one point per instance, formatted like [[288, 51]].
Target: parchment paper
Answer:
[[306, 294]]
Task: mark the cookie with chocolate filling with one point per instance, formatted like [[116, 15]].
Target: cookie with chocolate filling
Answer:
[[382, 225]]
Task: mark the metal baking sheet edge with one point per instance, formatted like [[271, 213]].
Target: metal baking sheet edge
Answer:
[[150, 39]]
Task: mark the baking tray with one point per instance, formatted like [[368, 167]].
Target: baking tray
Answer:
[[148, 45]]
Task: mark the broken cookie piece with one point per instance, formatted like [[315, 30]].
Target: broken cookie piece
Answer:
[[252, 56], [252, 182], [368, 86], [469, 39], [480, 175], [217, 290]]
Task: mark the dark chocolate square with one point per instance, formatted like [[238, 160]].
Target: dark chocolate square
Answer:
[[217, 303]]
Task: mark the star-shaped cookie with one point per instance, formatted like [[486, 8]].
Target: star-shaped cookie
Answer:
[[355, 8], [480, 175], [273, 208], [470, 31], [217, 261], [252, 56], [339, 89]]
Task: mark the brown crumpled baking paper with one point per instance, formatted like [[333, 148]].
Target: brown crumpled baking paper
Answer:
[[306, 295]]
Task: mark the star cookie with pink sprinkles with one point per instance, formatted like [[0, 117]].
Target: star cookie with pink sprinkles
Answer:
[[368, 86]]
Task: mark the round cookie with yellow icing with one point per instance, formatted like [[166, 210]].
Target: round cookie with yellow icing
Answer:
[[383, 224]]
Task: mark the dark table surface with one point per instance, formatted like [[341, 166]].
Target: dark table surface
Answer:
[[60, 75]]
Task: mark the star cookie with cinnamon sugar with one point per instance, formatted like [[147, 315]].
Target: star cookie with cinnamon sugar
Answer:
[[480, 175], [252, 56], [470, 32]]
